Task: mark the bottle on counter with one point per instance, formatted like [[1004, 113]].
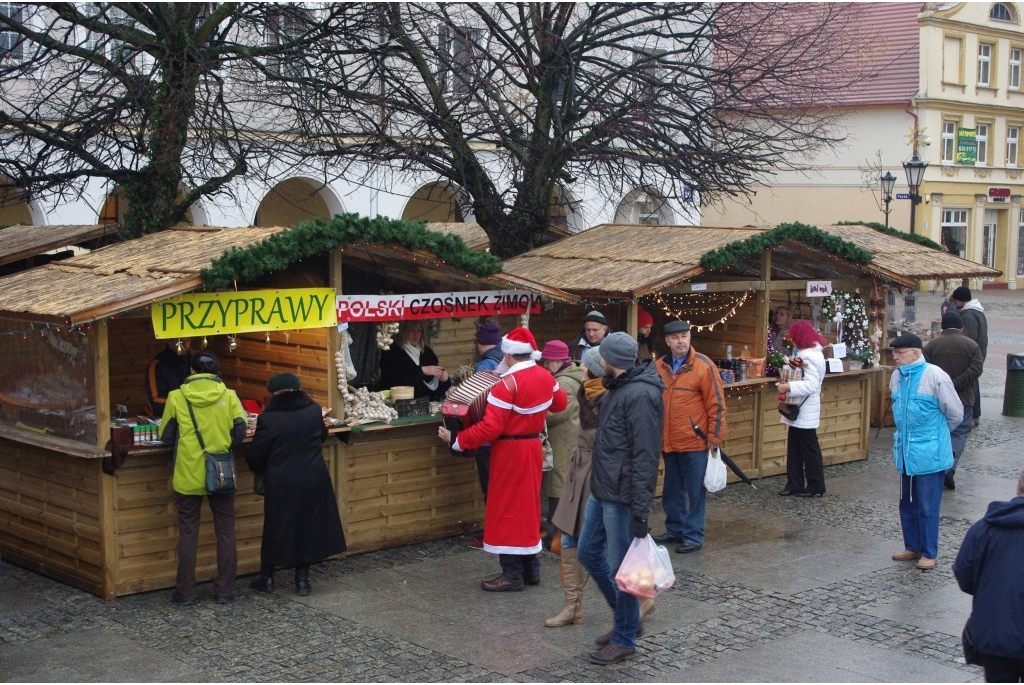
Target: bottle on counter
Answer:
[[728, 351], [745, 354]]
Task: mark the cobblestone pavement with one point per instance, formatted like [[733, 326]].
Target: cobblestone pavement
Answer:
[[783, 590]]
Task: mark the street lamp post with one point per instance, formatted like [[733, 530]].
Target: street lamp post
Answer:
[[915, 174], [888, 182]]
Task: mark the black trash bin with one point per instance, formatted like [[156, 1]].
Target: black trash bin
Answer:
[[1013, 392]]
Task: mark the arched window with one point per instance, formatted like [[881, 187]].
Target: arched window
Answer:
[[1000, 12]]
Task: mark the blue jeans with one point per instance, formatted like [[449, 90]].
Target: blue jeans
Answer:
[[606, 535], [959, 435], [683, 496], [920, 499]]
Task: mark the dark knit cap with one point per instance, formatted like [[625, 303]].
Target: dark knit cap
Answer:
[[619, 350], [489, 333], [952, 319], [906, 340], [284, 381], [962, 294], [595, 316]]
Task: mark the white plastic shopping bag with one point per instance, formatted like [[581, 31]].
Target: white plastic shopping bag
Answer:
[[646, 569], [715, 475]]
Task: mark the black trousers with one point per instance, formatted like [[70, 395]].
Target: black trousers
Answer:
[[483, 467], [1002, 669], [803, 454], [223, 508], [520, 566]]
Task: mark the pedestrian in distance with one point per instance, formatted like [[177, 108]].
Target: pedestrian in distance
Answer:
[[975, 328], [988, 567], [202, 399], [301, 523], [563, 428], [516, 409], [624, 473], [693, 396], [803, 453], [926, 409], [166, 372], [644, 335], [961, 358], [595, 328]]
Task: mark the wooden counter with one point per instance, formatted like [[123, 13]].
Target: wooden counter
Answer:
[[62, 516]]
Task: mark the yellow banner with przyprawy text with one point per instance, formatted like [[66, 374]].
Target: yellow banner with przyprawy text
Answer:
[[188, 316]]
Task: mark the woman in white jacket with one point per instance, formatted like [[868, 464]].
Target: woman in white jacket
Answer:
[[803, 454]]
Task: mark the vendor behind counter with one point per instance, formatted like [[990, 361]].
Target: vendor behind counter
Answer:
[[411, 362]]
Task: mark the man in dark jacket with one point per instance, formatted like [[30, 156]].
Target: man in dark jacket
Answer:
[[975, 328], [961, 358], [624, 471], [166, 372], [989, 568], [595, 329]]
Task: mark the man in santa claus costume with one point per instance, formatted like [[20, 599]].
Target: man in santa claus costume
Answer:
[[516, 409]]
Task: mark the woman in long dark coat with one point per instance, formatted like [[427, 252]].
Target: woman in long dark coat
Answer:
[[301, 524]]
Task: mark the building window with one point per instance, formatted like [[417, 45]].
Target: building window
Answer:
[[10, 42], [463, 54], [952, 64], [282, 29], [948, 141], [107, 46], [984, 64], [1012, 145], [647, 73], [1014, 76], [954, 231], [1000, 12], [982, 137]]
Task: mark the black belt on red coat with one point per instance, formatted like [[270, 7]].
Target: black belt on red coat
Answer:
[[531, 436]]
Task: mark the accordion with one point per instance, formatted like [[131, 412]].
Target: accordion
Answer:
[[465, 403]]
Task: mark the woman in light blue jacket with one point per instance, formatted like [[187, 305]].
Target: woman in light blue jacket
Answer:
[[926, 408]]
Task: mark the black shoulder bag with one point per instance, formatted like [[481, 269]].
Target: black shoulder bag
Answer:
[[221, 473], [791, 411]]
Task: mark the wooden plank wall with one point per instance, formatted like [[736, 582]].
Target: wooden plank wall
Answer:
[[50, 514], [147, 525], [402, 485]]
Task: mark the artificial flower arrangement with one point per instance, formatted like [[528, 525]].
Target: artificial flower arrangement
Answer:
[[853, 325]]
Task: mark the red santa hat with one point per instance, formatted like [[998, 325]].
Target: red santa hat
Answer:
[[520, 341]]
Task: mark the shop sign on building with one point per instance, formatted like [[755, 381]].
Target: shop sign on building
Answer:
[[198, 314], [353, 308], [966, 146]]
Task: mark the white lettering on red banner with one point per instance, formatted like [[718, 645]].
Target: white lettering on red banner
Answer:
[[355, 308]]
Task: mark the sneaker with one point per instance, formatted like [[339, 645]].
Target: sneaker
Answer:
[[666, 538], [476, 543], [688, 547]]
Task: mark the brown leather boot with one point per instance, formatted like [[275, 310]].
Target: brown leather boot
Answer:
[[574, 578]]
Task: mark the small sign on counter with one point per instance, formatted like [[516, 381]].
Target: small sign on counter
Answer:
[[834, 365]]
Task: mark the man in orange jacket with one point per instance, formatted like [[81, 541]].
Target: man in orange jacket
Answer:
[[693, 396]]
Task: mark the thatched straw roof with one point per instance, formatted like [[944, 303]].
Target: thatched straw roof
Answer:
[[470, 232], [629, 260], [120, 277], [899, 257], [23, 242]]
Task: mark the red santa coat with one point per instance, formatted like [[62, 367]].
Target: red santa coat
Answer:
[[517, 405]]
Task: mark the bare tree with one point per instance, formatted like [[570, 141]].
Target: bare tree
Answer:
[[169, 101], [513, 102]]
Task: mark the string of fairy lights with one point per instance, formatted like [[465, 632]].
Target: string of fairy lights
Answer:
[[686, 306]]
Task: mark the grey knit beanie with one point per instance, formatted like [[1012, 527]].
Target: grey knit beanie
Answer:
[[619, 350], [592, 361]]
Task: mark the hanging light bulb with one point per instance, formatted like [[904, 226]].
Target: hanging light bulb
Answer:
[[267, 339], [286, 337], [205, 342], [233, 344], [179, 347]]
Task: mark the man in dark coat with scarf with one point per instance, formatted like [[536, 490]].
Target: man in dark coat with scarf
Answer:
[[301, 524], [988, 567]]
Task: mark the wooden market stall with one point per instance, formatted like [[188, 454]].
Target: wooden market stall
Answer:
[[76, 337], [726, 281]]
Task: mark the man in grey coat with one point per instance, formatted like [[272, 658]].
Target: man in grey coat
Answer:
[[624, 472], [961, 358], [975, 328]]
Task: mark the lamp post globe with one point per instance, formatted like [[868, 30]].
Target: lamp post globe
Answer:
[[915, 174], [888, 183]]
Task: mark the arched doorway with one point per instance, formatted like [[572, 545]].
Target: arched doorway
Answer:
[[116, 205], [440, 201], [295, 200], [641, 206]]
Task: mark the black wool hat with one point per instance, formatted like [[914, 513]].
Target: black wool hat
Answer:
[[677, 327], [284, 381], [952, 319], [906, 340], [962, 294]]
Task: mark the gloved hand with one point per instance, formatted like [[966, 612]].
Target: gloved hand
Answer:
[[640, 528]]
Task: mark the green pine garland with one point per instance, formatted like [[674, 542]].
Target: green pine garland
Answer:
[[881, 228], [307, 238], [733, 253]]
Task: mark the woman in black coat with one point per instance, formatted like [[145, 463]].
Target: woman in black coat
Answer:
[[301, 524], [411, 362]]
